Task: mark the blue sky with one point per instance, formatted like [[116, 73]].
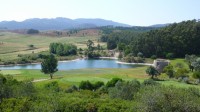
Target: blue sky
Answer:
[[133, 12]]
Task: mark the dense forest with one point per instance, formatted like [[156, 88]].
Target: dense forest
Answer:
[[176, 39], [110, 29]]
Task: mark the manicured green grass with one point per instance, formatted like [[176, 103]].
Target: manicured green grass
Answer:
[[70, 77], [179, 60], [74, 77]]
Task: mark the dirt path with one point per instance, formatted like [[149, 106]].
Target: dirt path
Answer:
[[39, 80]]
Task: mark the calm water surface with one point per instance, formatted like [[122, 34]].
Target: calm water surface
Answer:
[[79, 64]]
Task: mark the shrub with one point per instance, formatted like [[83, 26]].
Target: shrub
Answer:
[[71, 89], [98, 84], [169, 70], [196, 75], [112, 82], [53, 86], [103, 90], [15, 105], [86, 85], [2, 80], [167, 99], [179, 65], [181, 72], [91, 107], [31, 45], [129, 59], [22, 61], [124, 90], [139, 60], [8, 62]]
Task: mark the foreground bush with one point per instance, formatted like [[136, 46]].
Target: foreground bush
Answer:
[[167, 99], [124, 90], [87, 85], [125, 96]]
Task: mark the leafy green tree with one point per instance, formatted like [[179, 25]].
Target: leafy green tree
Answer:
[[60, 49], [71, 89], [196, 64], [49, 65], [121, 46], [63, 49], [90, 45], [190, 59], [90, 49], [98, 47], [152, 71]]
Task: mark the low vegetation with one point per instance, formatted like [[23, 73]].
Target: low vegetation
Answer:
[[125, 96]]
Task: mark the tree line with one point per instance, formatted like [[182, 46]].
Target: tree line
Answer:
[[63, 49], [176, 40]]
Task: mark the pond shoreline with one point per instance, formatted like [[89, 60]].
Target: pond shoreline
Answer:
[[147, 64], [39, 62], [113, 58]]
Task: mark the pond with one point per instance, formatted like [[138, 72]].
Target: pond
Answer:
[[78, 64]]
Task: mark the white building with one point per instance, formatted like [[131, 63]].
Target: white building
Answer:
[[159, 64]]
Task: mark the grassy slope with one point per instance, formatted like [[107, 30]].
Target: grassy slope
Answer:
[[70, 77], [14, 44]]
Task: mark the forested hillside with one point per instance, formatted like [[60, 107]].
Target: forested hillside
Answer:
[[177, 39]]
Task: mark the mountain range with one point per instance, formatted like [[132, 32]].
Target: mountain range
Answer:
[[58, 24]]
